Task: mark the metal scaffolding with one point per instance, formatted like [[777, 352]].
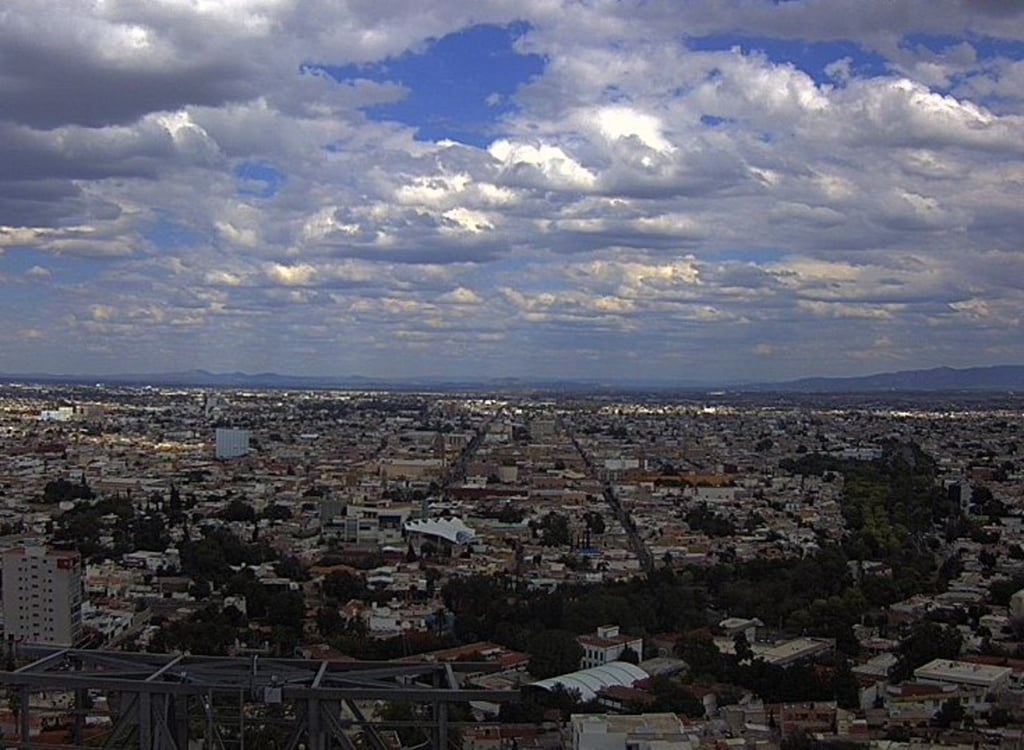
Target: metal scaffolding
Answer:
[[182, 702]]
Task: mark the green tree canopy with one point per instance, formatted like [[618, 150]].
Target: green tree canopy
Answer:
[[239, 510], [343, 586], [671, 696], [553, 653], [63, 490], [553, 529], [924, 642]]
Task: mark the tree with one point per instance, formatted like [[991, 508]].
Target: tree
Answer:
[[175, 507], [981, 495], [702, 518], [927, 641], [276, 512], [1001, 589], [672, 697], [743, 650], [239, 510], [844, 684], [553, 653], [208, 631], [565, 700], [287, 609], [951, 712], [235, 617], [798, 740], [149, 533], [554, 530], [700, 653], [406, 716], [999, 717], [629, 655], [329, 621], [285, 640], [62, 490], [509, 513], [205, 560], [599, 605], [343, 586], [595, 522], [200, 589], [291, 567], [526, 710]]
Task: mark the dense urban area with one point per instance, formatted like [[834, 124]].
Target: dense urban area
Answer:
[[641, 572]]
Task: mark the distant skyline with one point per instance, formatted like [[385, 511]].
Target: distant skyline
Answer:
[[740, 190]]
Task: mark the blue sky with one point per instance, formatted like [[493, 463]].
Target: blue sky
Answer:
[[813, 58], [707, 191], [458, 87]]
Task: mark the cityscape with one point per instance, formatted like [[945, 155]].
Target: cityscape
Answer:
[[641, 569], [512, 375]]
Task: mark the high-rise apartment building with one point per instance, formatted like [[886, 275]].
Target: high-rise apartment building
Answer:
[[43, 595], [232, 443]]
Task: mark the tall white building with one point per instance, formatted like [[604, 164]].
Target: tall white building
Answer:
[[232, 443], [43, 595]]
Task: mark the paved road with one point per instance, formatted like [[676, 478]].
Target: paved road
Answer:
[[457, 471], [636, 544]]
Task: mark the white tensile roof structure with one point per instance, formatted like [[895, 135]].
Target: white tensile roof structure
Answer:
[[453, 530], [589, 681]]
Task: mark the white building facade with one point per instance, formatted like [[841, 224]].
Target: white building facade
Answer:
[[43, 595], [607, 645]]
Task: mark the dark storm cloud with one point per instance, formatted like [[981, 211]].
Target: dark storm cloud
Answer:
[[39, 203], [47, 86]]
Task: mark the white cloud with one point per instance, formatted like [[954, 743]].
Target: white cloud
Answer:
[[844, 310], [637, 197], [300, 275], [466, 220], [223, 278], [975, 309], [462, 296], [551, 165], [625, 122]]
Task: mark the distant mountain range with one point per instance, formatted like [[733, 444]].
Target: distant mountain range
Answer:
[[206, 379], [272, 380], [999, 378]]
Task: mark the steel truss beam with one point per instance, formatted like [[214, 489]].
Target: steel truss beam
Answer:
[[162, 701]]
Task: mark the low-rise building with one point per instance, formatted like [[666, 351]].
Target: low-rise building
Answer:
[[607, 645], [636, 732], [989, 677]]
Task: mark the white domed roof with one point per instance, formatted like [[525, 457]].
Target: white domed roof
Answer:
[[589, 681]]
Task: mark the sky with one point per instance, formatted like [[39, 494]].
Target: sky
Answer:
[[718, 191]]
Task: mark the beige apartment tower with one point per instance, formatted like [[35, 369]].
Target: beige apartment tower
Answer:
[[43, 595]]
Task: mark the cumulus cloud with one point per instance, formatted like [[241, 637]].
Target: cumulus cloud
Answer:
[[540, 165], [462, 296], [645, 195], [38, 272]]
